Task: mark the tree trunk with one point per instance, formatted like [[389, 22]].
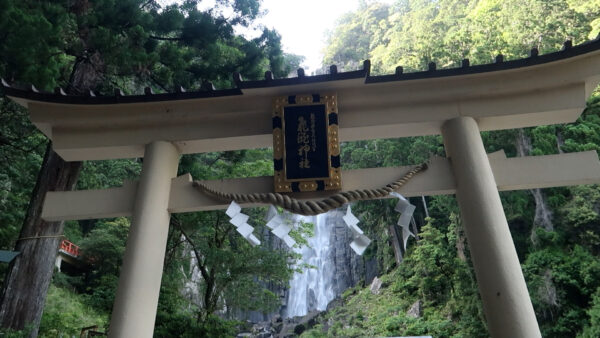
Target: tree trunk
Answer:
[[210, 298], [396, 244], [29, 275], [415, 229], [425, 206], [460, 243]]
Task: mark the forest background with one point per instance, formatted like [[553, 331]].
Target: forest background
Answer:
[[100, 45]]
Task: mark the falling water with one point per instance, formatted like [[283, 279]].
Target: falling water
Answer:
[[191, 288], [543, 214], [313, 289]]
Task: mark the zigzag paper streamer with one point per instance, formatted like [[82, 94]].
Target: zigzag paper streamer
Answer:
[[276, 223], [289, 241], [239, 220], [407, 210], [281, 231], [360, 242]]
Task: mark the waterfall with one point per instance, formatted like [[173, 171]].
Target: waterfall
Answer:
[[314, 288], [191, 289], [543, 214]]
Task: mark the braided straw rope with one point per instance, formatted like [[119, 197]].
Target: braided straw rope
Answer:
[[308, 208]]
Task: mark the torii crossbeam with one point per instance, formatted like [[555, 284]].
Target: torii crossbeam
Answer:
[[456, 103]]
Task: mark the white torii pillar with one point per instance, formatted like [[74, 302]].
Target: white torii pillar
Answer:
[[502, 287], [134, 310]]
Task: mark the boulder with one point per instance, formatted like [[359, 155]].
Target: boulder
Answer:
[[299, 329], [415, 310], [334, 303], [376, 286]]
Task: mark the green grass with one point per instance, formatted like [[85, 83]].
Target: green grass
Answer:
[[66, 313], [363, 314]]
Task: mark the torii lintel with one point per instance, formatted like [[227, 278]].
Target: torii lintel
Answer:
[[539, 90], [510, 173]]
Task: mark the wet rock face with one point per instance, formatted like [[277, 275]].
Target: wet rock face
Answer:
[[271, 242], [337, 266], [348, 266], [340, 269], [371, 270], [279, 327]]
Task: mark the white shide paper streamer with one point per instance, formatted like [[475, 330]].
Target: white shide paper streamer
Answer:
[[360, 242], [406, 211], [278, 226], [239, 219]]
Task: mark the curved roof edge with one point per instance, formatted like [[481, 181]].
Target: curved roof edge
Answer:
[[567, 51], [59, 96], [208, 91]]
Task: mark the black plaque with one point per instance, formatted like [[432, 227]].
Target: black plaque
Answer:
[[305, 143], [306, 146]]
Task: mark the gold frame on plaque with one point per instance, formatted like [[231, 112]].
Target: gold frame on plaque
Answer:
[[334, 180]]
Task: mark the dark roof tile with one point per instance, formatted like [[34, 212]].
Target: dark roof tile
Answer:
[[268, 75], [568, 51], [533, 52], [208, 90]]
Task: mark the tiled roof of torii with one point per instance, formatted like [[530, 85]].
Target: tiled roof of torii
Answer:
[[208, 91]]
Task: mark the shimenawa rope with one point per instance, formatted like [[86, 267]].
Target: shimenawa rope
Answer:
[[312, 207]]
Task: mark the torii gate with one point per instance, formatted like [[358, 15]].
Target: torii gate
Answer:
[[457, 103]]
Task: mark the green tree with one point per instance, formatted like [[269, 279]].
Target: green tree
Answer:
[[351, 40], [562, 281], [233, 272], [413, 33], [98, 45], [66, 313], [103, 250], [217, 248], [593, 330]]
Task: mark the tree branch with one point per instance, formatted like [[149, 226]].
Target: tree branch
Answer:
[[163, 38], [158, 83], [142, 6], [221, 240], [201, 266]]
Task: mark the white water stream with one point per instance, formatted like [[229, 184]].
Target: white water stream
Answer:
[[313, 288]]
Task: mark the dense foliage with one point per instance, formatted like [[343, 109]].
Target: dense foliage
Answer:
[[555, 230], [561, 264], [131, 44], [413, 33], [102, 45]]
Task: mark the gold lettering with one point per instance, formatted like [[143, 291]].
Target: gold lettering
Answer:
[[303, 143], [313, 132], [304, 164]]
